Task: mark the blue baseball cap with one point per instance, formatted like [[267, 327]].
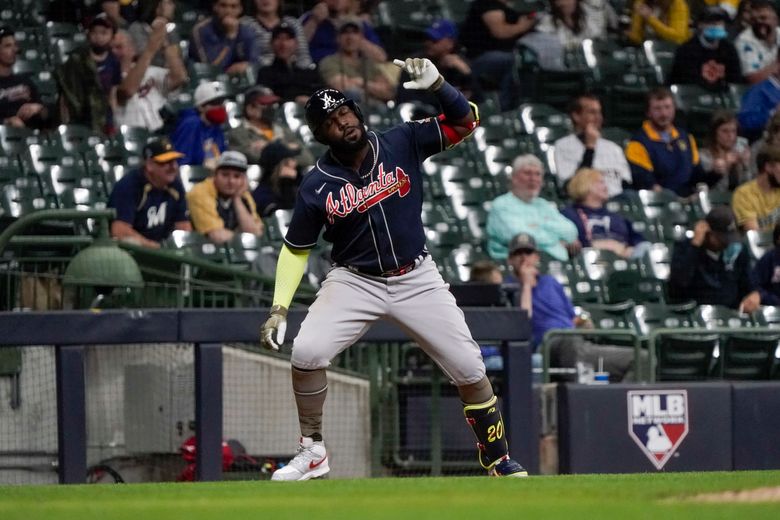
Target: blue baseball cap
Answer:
[[442, 29]]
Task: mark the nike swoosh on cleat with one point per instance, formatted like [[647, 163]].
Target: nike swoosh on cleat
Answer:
[[317, 191], [312, 465]]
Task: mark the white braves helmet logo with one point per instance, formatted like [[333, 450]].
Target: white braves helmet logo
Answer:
[[327, 101]]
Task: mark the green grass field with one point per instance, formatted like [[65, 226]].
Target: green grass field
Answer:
[[650, 496]]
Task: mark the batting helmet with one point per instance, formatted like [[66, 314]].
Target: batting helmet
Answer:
[[323, 102]]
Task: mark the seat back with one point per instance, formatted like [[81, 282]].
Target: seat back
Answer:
[[748, 357], [685, 358]]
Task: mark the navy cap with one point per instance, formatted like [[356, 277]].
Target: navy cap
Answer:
[[441, 29]]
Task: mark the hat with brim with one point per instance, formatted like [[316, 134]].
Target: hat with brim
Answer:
[[233, 160], [161, 150], [209, 92], [262, 95], [274, 153], [522, 242], [441, 29], [104, 20], [350, 22], [723, 224]]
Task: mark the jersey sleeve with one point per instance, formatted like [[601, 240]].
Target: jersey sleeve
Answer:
[[427, 135], [307, 219]]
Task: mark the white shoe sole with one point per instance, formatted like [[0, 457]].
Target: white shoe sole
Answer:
[[317, 473]]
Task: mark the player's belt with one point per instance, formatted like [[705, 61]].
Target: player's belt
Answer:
[[411, 266]]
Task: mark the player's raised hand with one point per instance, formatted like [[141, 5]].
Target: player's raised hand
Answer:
[[273, 330], [422, 71]]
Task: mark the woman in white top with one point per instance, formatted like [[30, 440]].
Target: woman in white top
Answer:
[[573, 21]]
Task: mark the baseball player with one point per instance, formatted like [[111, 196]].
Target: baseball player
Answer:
[[367, 192]]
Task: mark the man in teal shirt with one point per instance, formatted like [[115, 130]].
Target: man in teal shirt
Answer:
[[521, 210]]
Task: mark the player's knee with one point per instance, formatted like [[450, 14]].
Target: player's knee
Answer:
[[309, 355]]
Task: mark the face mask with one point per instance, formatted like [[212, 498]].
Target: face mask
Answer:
[[216, 115], [268, 115], [714, 33], [731, 253]]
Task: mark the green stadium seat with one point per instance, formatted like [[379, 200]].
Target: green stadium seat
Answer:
[[632, 285], [15, 141], [710, 316], [625, 106], [748, 357], [759, 242], [695, 106], [533, 115], [77, 139], [134, 138], [767, 316], [599, 264], [197, 245], [617, 135], [555, 87], [685, 358], [192, 174], [41, 157], [660, 56]]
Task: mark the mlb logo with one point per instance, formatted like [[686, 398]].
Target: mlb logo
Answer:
[[658, 422]]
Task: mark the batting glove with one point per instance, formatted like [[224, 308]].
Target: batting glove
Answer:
[[274, 328], [423, 72]]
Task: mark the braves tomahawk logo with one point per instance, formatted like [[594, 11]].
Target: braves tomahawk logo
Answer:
[[351, 198], [658, 422], [328, 101]]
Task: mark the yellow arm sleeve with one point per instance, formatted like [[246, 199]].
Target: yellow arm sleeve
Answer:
[[289, 270]]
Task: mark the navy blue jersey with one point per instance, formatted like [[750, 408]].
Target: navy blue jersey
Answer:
[[152, 212], [371, 217]]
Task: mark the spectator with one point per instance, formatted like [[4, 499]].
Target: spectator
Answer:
[[666, 20], [585, 148], [258, 126], [278, 185], [572, 21], [757, 203], [221, 205], [267, 16], [440, 47], [521, 210], [358, 76], [150, 202], [485, 271], [712, 268], [223, 40], [726, 156], [285, 76], [88, 79], [321, 28], [731, 7], [144, 86], [597, 226], [120, 12], [141, 30], [198, 134], [548, 308], [765, 276], [660, 154], [20, 104], [770, 137], [757, 46], [758, 104], [490, 33], [708, 59]]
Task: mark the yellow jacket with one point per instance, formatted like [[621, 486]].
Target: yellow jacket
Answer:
[[672, 26]]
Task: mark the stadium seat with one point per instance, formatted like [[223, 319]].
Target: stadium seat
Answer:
[[41, 157], [15, 141], [196, 245], [617, 135], [767, 316], [633, 285], [695, 106], [192, 174], [710, 316], [625, 106], [759, 242], [533, 115], [660, 56], [685, 358], [134, 138], [657, 261], [648, 316], [599, 264], [747, 356], [555, 87]]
